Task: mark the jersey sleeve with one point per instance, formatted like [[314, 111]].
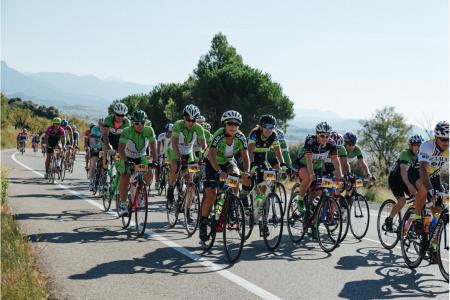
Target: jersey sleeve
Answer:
[[124, 137], [216, 138], [342, 152], [151, 134], [358, 152], [252, 137], [109, 121], [200, 132], [308, 147], [405, 157], [176, 129], [242, 140]]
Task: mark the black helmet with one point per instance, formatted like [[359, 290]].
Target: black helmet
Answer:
[[268, 121]]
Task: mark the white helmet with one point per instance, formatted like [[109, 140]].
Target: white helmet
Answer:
[[201, 119], [415, 139], [231, 114], [120, 109], [323, 127], [191, 111], [441, 129]]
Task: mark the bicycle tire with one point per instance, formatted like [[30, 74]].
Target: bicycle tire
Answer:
[[234, 207], [324, 206], [443, 233], [212, 222], [355, 210], [280, 189], [276, 217], [192, 211], [172, 209], [250, 223], [294, 217], [406, 233], [140, 212], [126, 218], [395, 235], [345, 214]]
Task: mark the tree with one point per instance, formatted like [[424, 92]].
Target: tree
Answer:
[[384, 136], [21, 118], [4, 110]]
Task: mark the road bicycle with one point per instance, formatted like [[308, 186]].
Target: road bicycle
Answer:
[[359, 216]]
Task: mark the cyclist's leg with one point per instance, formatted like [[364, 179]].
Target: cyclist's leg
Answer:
[[398, 189], [93, 163], [124, 181], [47, 158]]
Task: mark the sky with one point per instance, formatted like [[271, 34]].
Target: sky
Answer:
[[348, 57]]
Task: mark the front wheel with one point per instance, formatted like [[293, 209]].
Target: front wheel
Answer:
[[388, 237], [271, 225], [233, 228], [140, 209], [359, 216], [442, 243], [329, 224], [191, 209]]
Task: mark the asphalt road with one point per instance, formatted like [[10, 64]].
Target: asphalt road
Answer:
[[87, 255]]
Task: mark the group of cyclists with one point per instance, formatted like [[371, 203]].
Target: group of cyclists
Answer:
[[126, 140]]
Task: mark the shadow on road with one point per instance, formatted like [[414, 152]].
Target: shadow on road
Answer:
[[397, 280]]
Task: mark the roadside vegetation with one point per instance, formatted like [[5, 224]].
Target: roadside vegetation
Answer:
[[20, 278]]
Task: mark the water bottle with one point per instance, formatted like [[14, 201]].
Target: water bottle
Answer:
[[434, 221], [219, 205], [427, 221], [259, 202]]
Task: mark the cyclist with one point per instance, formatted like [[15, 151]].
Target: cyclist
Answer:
[[87, 134], [197, 149], [35, 142], [21, 139], [225, 144], [425, 174], [133, 144], [261, 139], [185, 133], [271, 157], [342, 153], [54, 138], [207, 131], [164, 141], [69, 139], [311, 157], [114, 124], [95, 144], [76, 139], [398, 177], [354, 152]]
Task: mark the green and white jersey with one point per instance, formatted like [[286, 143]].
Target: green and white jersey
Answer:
[[186, 137], [406, 157], [136, 143], [355, 154], [342, 152], [225, 152], [208, 136]]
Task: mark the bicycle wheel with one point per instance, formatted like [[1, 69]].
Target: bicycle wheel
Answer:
[[173, 208], [388, 238], [329, 224], [105, 192], [233, 227], [63, 171], [410, 242], [359, 217], [191, 209], [52, 174], [295, 220], [141, 209], [345, 214], [249, 217], [271, 225], [126, 218], [443, 247], [281, 192]]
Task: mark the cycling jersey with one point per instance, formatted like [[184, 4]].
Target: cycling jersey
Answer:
[[271, 157], [262, 144], [115, 129], [35, 139], [225, 152], [76, 137], [356, 153], [319, 152], [166, 142], [435, 158], [22, 136], [54, 136], [341, 151], [95, 139], [208, 137], [406, 157], [136, 143], [186, 138]]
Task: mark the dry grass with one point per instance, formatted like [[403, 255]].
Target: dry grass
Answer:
[[20, 277]]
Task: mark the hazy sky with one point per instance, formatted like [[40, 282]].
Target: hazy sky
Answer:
[[349, 57]]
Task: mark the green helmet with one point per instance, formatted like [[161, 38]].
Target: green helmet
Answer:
[[139, 116], [56, 120]]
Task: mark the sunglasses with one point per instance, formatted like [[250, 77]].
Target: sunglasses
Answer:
[[324, 136], [237, 124], [191, 121], [444, 139], [139, 123], [351, 145], [268, 126], [117, 115]]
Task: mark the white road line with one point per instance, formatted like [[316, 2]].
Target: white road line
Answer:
[[251, 287]]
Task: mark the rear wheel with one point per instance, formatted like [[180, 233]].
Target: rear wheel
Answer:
[[388, 238], [211, 230], [443, 248], [191, 209], [249, 217], [410, 242], [345, 214]]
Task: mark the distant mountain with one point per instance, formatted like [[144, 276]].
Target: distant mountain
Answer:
[[65, 89]]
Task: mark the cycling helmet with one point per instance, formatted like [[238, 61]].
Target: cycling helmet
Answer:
[[74, 127], [231, 114], [139, 116], [64, 122], [92, 125], [120, 109], [168, 127], [323, 127], [56, 120], [415, 139], [267, 121], [191, 112], [337, 138], [101, 121], [350, 137], [207, 126], [280, 133], [148, 123], [201, 119], [441, 129]]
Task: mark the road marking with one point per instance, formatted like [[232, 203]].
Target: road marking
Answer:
[[251, 287]]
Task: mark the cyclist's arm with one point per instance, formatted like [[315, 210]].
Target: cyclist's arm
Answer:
[[159, 145], [153, 152], [309, 164], [404, 174], [337, 165], [278, 154], [245, 160], [363, 166], [212, 159], [344, 164], [251, 151], [175, 146], [424, 177]]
